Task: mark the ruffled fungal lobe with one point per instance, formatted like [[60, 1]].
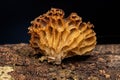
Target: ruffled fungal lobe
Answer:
[[57, 37]]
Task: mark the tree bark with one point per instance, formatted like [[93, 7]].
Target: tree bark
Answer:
[[103, 63]]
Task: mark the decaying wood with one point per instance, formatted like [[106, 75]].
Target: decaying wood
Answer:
[[103, 63]]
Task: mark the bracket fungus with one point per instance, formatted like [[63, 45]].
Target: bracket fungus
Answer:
[[56, 37]]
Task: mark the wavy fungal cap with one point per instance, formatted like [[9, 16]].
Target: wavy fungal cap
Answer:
[[56, 37]]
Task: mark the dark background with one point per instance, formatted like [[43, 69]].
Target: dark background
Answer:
[[15, 17]]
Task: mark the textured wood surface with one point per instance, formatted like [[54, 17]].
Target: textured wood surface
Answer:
[[103, 63]]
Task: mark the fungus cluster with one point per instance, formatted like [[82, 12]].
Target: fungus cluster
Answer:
[[56, 37]]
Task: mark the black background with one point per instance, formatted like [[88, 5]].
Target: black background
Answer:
[[15, 17]]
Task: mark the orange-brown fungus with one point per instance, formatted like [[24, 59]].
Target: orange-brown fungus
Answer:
[[56, 37]]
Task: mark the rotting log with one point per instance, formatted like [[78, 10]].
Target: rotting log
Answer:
[[103, 63]]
